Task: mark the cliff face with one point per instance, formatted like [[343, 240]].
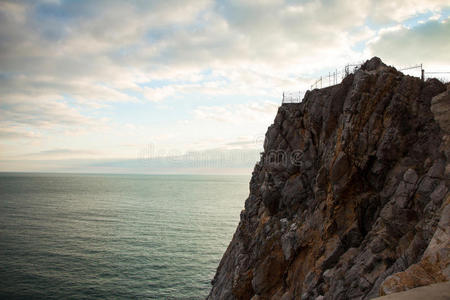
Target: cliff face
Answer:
[[346, 200]]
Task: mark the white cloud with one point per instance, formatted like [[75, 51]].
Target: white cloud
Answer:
[[385, 11], [158, 93], [45, 111], [425, 43], [65, 65], [239, 114], [15, 133]]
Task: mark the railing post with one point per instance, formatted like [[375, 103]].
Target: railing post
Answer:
[[422, 71]]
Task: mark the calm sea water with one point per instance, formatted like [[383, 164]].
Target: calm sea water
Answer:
[[114, 236]]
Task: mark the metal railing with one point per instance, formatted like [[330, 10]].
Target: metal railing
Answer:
[[422, 71], [440, 75], [293, 97], [323, 81], [334, 78], [443, 76]]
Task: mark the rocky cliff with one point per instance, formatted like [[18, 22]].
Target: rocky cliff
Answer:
[[350, 198]]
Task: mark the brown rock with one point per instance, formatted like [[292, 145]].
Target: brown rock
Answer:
[[361, 203]]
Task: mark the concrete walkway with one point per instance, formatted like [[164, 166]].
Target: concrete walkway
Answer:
[[438, 291]]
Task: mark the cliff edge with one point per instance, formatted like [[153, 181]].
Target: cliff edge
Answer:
[[350, 198]]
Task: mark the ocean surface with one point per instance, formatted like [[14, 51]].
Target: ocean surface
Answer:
[[73, 236]]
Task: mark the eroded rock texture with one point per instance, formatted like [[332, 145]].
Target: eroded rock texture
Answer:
[[350, 199]]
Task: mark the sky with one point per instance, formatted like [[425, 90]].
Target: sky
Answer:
[[182, 86]]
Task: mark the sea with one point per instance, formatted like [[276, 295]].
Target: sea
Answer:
[[88, 236]]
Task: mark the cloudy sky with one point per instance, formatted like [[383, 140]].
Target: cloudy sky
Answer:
[[96, 85]]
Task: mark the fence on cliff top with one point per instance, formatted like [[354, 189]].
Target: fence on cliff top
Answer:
[[419, 71], [293, 97], [322, 82], [336, 77]]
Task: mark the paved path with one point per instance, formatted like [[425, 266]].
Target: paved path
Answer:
[[438, 291]]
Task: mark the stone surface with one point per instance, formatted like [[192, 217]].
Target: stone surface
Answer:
[[438, 291], [350, 199]]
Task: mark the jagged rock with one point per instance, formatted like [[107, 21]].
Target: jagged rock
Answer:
[[289, 244], [441, 109], [350, 199]]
